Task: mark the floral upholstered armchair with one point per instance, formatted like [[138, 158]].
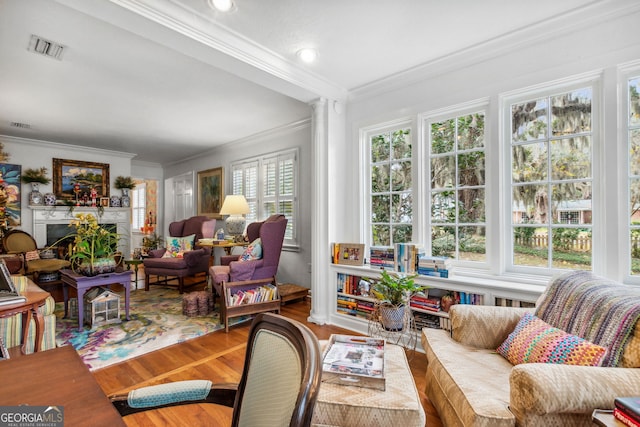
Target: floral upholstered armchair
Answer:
[[181, 258]]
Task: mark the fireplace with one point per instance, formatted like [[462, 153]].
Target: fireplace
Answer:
[[51, 223]]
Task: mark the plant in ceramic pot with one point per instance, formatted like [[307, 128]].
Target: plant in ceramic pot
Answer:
[[35, 177], [94, 247], [124, 183], [394, 290]]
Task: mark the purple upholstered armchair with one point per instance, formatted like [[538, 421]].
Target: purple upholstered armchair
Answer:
[[271, 232], [191, 263]]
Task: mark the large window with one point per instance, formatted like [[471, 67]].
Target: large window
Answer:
[[390, 192], [634, 170], [551, 139], [269, 183], [456, 195]]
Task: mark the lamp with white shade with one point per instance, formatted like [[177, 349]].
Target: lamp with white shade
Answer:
[[235, 205]]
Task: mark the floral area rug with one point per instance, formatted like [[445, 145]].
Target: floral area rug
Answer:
[[156, 321]]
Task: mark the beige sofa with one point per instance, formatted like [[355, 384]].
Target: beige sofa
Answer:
[[470, 384], [11, 327]]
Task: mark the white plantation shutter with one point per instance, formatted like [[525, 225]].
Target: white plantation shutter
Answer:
[[138, 206], [269, 185]]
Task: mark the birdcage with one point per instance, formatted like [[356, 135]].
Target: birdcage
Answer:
[[101, 307]]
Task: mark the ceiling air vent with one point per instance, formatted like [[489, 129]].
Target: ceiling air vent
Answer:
[[46, 47], [20, 125]]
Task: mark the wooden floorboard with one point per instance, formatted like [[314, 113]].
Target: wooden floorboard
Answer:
[[219, 357]]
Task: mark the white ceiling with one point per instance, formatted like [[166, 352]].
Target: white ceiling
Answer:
[[169, 79]]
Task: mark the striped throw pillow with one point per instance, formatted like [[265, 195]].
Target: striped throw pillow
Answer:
[[535, 341]]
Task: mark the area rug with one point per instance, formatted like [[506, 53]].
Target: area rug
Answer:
[[156, 321]]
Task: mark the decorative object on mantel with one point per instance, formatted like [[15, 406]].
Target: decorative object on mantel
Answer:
[[35, 177], [394, 291], [125, 183], [94, 246]]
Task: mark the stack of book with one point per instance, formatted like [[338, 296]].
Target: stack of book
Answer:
[[437, 266], [627, 410], [406, 257], [425, 303], [382, 256]]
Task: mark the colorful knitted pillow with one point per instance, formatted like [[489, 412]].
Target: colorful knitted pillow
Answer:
[[31, 255], [253, 251], [535, 341], [177, 246]]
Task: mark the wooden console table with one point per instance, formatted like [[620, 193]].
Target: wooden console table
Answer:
[[57, 377], [84, 283], [29, 309]]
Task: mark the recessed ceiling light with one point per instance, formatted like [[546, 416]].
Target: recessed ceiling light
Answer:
[[308, 55], [223, 5]]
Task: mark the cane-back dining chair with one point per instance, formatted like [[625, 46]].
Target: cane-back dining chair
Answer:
[[278, 387]]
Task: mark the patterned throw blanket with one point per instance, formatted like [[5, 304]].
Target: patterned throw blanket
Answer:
[[597, 309]]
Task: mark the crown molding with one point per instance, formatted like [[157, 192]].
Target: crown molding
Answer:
[[594, 13], [62, 146]]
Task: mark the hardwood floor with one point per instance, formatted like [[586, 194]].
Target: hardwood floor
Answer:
[[219, 357]]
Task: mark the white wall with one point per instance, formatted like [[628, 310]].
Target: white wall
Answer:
[[600, 48], [30, 153], [294, 265]]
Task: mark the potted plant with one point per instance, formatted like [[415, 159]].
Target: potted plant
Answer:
[[394, 290], [35, 177], [94, 247], [125, 183]]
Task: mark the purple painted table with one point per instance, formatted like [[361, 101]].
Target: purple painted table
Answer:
[[84, 283]]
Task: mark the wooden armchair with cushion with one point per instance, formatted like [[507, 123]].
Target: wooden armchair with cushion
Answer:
[[181, 258], [21, 243], [279, 384]]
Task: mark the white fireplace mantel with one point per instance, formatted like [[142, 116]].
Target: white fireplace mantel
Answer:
[[43, 215]]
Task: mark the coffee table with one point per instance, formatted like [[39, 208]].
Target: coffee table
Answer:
[[399, 404], [84, 283], [57, 377]]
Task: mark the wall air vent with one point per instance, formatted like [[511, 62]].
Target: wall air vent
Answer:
[[20, 125], [46, 47]]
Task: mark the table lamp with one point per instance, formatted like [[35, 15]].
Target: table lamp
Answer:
[[235, 205]]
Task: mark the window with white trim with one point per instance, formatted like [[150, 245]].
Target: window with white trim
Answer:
[[456, 191], [269, 183], [551, 139], [390, 186], [138, 206]]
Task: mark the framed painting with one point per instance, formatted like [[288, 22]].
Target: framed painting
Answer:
[[10, 196], [74, 176], [210, 192]]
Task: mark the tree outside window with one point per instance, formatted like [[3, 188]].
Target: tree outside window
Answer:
[[551, 180], [457, 187]]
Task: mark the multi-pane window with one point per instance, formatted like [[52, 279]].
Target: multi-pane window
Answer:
[[391, 200], [138, 206], [634, 171], [269, 183], [551, 141], [457, 186]]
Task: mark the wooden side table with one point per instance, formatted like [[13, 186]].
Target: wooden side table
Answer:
[[84, 283], [29, 310], [135, 263]]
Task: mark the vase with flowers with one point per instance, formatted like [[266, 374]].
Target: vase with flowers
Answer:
[[94, 246]]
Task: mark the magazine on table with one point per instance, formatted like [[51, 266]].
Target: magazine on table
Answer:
[[8, 292]]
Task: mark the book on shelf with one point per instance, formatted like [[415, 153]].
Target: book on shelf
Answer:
[[406, 257], [382, 257], [252, 296], [629, 406]]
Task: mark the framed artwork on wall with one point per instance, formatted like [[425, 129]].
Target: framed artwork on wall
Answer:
[[210, 192], [70, 176], [10, 194]]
